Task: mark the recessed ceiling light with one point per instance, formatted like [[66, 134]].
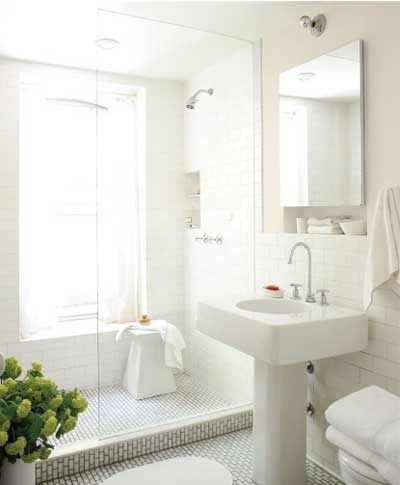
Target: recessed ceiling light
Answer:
[[306, 76], [107, 43]]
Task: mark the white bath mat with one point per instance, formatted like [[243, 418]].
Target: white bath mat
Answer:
[[176, 471]]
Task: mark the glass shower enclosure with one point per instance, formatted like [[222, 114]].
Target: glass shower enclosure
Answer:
[[128, 177], [175, 217]]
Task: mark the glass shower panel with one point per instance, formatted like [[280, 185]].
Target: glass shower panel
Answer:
[[174, 161]]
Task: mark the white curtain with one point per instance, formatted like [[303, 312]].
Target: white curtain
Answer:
[[58, 178], [37, 242], [121, 219]]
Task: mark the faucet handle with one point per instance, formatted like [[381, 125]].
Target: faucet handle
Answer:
[[296, 294], [323, 300]]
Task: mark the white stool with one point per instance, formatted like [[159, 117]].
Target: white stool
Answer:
[[146, 374], [176, 471]]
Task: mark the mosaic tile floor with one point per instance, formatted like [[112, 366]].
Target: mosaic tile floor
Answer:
[[119, 411], [233, 450]]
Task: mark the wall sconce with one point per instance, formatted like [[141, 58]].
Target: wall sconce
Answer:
[[316, 25]]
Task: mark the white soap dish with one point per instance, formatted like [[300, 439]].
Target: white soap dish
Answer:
[[274, 293]]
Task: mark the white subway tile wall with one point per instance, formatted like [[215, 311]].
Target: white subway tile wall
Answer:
[[330, 126], [219, 144]]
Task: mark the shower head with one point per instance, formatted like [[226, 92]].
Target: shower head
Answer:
[[190, 104]]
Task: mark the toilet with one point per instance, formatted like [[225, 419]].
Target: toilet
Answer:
[[355, 472], [191, 470]]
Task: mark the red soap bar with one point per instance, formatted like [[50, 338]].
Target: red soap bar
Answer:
[[272, 287]]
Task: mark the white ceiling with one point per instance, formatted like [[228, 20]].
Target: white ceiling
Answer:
[[62, 32], [247, 20], [159, 50]]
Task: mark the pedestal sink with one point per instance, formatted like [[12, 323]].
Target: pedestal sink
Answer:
[[282, 335]]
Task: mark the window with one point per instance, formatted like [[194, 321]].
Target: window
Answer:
[[59, 199]]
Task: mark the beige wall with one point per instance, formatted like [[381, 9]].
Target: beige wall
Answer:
[[377, 24]]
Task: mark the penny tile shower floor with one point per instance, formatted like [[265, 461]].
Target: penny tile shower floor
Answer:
[[119, 411], [234, 450]]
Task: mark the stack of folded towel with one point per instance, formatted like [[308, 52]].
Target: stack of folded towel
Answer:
[[366, 424], [327, 225]]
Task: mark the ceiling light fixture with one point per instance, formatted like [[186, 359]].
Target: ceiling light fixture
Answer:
[[306, 76], [107, 43], [316, 25]]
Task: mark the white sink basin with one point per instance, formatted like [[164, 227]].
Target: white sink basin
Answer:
[[263, 305], [283, 331], [282, 335]]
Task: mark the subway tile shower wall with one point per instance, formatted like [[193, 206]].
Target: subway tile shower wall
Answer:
[[219, 144]]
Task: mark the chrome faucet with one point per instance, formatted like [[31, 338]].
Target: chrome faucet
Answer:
[[310, 298]]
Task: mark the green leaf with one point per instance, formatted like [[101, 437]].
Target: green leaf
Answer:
[[11, 410], [35, 425]]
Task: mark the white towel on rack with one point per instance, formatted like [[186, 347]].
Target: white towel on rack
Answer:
[[383, 262]]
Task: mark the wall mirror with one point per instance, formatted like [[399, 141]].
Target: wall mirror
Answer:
[[321, 131]]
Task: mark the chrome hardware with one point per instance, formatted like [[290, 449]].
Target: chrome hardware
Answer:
[[310, 367], [206, 239], [203, 238], [217, 239], [323, 301], [296, 294], [310, 298], [310, 410], [316, 25]]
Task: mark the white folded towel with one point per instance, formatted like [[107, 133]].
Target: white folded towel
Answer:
[[325, 230], [383, 261], [172, 337], [387, 470], [369, 417], [387, 442], [327, 221]]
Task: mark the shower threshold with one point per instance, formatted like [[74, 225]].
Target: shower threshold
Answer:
[[89, 454], [113, 412]]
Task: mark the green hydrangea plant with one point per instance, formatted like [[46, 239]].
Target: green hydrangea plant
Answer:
[[32, 409]]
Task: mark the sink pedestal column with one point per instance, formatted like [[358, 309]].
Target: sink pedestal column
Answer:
[[279, 431]]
